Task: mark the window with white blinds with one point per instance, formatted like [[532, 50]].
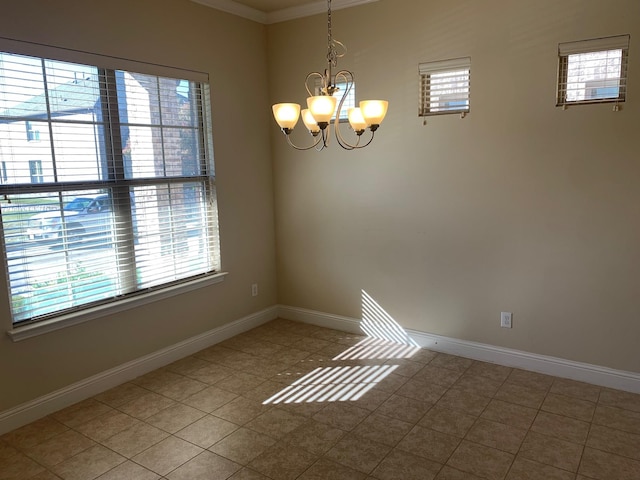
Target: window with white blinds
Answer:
[[444, 86], [107, 183], [593, 71], [349, 101]]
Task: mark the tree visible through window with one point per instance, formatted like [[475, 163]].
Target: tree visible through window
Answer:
[[593, 71], [121, 199]]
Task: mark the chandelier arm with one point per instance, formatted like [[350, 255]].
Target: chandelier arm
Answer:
[[304, 148], [347, 76], [323, 85]]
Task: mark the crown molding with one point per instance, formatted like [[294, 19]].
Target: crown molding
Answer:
[[235, 8]]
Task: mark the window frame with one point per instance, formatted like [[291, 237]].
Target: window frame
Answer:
[[427, 70], [61, 319], [596, 45]]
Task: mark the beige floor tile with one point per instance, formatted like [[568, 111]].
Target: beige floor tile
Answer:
[[315, 437], [306, 409], [241, 410], [157, 379], [423, 391], [121, 394], [615, 441], [569, 407], [205, 466], [214, 354], [617, 398], [358, 453], [248, 474], [497, 373], [497, 435], [534, 380], [146, 405], [81, 412], [405, 368], [207, 431], [401, 465], [187, 365], [469, 403], [341, 415], [129, 471], [283, 462], [618, 418], [240, 382], [106, 425], [46, 475], [88, 464], [445, 420], [372, 399], [276, 423], [59, 448], [551, 451], [211, 373], [243, 445], [451, 362], [521, 395], [382, 429], [209, 399], [482, 461], [34, 433], [291, 355], [134, 440], [266, 391], [448, 473], [15, 465], [571, 388], [175, 418], [509, 413], [523, 469], [325, 469], [429, 444], [391, 383], [439, 375], [167, 455], [181, 389], [558, 426], [477, 385], [404, 408], [606, 466]]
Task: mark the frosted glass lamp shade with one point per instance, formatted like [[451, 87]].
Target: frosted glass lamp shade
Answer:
[[322, 107], [356, 120], [309, 121], [374, 111], [286, 114]]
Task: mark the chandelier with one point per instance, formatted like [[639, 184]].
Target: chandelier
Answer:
[[322, 107]]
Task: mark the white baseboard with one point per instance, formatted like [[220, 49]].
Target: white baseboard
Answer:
[[559, 367], [47, 404]]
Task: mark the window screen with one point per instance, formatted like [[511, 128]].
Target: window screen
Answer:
[[444, 86], [593, 71], [113, 196]]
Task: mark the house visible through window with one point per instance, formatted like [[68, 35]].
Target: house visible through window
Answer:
[[121, 198], [593, 71], [35, 170], [444, 86]]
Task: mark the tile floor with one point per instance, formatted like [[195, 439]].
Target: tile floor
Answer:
[[294, 401]]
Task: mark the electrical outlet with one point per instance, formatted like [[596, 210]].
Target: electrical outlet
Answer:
[[505, 319], [254, 290]]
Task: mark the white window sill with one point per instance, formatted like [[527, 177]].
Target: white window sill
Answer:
[[27, 331]]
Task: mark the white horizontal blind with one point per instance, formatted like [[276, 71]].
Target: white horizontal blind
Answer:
[[107, 180], [593, 71], [444, 86]]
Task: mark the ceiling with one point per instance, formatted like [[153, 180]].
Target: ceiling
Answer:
[[274, 11]]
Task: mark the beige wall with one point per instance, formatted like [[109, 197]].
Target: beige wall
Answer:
[[183, 34], [519, 207]]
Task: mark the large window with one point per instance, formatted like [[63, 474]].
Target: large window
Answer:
[[121, 200], [593, 71]]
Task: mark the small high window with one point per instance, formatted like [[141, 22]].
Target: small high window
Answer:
[[349, 101], [444, 86], [593, 71]]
